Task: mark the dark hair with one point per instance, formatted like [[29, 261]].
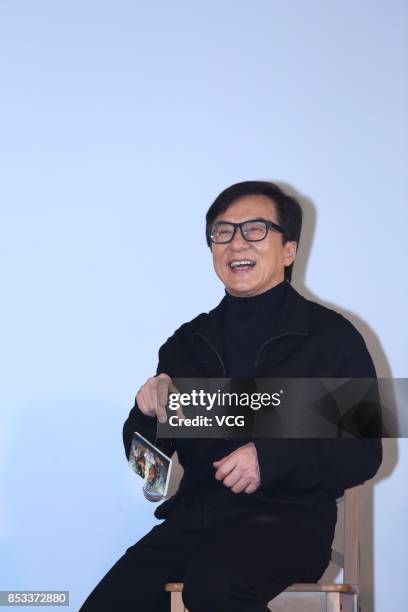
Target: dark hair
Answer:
[[288, 209]]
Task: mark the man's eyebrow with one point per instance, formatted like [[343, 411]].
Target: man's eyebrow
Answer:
[[246, 220]]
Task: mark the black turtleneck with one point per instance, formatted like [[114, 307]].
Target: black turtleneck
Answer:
[[247, 325]]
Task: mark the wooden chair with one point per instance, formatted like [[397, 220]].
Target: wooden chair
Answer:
[[323, 596]]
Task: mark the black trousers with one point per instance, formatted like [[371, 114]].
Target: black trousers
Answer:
[[232, 554]]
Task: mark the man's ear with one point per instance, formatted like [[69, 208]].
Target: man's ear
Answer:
[[290, 249]]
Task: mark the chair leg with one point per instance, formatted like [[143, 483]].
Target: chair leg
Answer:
[[177, 603], [333, 602], [341, 602], [348, 602]]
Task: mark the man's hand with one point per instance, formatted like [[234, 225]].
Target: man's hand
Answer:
[[153, 395], [240, 470]]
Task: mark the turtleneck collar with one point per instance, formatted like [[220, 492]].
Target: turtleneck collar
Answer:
[[262, 302]]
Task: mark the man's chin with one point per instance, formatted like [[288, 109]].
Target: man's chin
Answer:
[[242, 289]]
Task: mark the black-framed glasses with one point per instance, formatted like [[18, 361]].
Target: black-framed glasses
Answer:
[[253, 230]]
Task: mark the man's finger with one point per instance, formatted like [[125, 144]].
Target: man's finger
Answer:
[[225, 468], [165, 386], [251, 488], [222, 460], [234, 479], [240, 485], [162, 395], [173, 389], [180, 414], [145, 402], [162, 390]]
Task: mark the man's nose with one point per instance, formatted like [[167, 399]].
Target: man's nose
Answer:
[[238, 241]]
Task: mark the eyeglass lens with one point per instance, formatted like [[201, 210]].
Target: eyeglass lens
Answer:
[[252, 230]]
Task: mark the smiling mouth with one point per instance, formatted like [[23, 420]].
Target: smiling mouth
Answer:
[[241, 264]]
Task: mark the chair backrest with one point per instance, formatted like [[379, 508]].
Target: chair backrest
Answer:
[[350, 559]]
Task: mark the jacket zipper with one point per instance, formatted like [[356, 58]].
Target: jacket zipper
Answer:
[[276, 338], [260, 350], [218, 355], [215, 351]]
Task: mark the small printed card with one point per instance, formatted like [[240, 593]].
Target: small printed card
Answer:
[[147, 461]]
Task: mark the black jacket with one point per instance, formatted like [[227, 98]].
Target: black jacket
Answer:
[[308, 340]]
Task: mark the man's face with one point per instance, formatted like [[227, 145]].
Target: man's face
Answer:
[[270, 255]]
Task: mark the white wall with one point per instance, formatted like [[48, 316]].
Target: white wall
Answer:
[[117, 114]]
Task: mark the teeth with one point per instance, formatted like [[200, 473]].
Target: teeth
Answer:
[[242, 262]]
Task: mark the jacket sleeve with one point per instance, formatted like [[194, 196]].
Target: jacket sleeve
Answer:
[[147, 425], [330, 464]]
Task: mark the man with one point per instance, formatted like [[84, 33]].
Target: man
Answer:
[[250, 517]]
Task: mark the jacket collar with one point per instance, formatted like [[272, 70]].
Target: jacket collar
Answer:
[[291, 320]]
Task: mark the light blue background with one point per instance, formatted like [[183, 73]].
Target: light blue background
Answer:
[[117, 116]]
